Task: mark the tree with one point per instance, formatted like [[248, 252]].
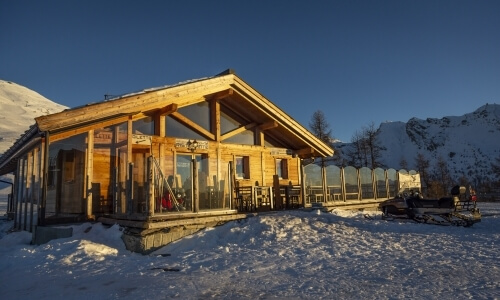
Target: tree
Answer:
[[442, 175], [321, 129], [422, 165], [366, 149], [495, 167], [373, 147], [403, 163], [357, 155]]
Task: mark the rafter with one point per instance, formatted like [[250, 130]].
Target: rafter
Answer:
[[305, 152], [268, 125], [221, 95], [167, 109]]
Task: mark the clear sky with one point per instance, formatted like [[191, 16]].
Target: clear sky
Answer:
[[358, 61]]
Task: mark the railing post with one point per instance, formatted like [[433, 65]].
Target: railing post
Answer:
[[150, 203], [130, 186]]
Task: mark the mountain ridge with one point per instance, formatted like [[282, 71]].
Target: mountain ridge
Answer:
[[468, 143], [19, 106]]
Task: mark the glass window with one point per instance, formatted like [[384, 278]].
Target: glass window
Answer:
[[110, 169], [247, 137], [242, 167], [66, 175], [282, 168], [198, 113], [144, 126], [227, 123], [270, 142], [173, 128]]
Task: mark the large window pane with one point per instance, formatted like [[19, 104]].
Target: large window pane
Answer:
[[66, 175], [144, 126], [198, 113], [110, 169], [176, 129]]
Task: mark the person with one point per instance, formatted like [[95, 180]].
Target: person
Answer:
[[472, 196], [166, 201]]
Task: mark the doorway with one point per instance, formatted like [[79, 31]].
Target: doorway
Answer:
[[139, 175], [184, 174]]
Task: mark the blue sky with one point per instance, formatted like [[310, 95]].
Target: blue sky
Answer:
[[357, 61]]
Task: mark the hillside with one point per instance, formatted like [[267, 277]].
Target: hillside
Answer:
[[469, 143], [18, 108]]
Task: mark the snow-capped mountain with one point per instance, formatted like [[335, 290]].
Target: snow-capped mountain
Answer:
[[468, 143], [18, 108]]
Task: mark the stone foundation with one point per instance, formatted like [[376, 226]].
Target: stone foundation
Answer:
[[147, 241]]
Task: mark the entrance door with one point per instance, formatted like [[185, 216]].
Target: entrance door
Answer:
[[184, 172], [139, 186]]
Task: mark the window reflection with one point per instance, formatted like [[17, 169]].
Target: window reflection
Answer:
[[144, 126], [176, 129], [199, 113]]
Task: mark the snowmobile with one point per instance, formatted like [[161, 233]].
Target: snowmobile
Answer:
[[457, 210]]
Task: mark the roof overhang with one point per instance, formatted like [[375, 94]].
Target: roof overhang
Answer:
[[226, 87]]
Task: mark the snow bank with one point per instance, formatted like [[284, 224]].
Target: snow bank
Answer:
[[291, 254]]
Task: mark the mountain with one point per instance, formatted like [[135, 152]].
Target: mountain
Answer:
[[18, 108], [468, 143]]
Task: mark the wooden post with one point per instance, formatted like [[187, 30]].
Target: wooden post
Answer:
[[90, 175], [277, 193], [130, 185], [45, 144], [194, 194], [150, 203]]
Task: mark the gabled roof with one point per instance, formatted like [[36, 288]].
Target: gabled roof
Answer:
[[227, 87]]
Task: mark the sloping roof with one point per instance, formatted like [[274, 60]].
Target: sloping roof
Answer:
[[234, 93]]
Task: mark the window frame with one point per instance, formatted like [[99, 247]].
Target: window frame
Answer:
[[242, 162]]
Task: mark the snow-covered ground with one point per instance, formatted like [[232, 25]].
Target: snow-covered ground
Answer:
[[284, 255]]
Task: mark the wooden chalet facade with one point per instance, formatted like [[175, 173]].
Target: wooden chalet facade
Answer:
[[211, 147]]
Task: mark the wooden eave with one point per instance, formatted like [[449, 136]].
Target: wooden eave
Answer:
[[228, 89], [318, 147], [182, 95]]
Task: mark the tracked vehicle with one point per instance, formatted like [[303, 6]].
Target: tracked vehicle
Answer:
[[460, 209]]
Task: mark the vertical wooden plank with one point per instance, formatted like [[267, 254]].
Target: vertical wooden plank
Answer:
[[151, 186], [129, 141], [29, 189], [278, 199], [45, 147], [194, 176], [215, 119], [89, 175], [263, 168]]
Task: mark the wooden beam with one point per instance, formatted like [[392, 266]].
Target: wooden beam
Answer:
[[305, 152], [148, 100], [268, 125], [85, 128], [184, 120], [215, 119], [237, 131], [167, 109], [221, 95]]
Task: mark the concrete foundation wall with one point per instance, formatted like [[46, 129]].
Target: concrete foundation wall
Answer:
[[147, 241]]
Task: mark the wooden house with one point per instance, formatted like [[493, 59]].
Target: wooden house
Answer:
[[211, 147]]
